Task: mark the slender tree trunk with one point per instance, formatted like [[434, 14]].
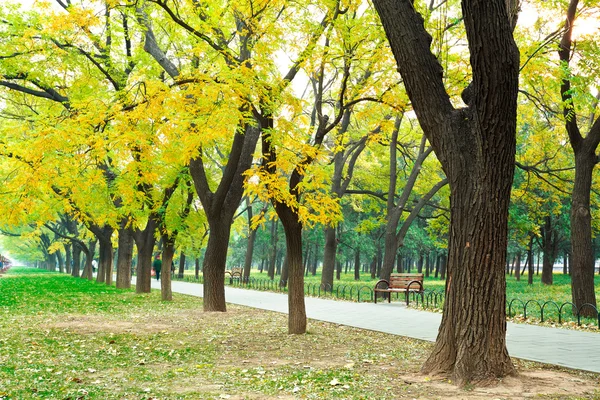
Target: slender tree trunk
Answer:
[[285, 272], [293, 239], [250, 247], [329, 256], [124, 257], [168, 251], [530, 261], [315, 261], [273, 257], [89, 257], [550, 248], [61, 262], [68, 257], [357, 264], [518, 267], [565, 262], [181, 271]]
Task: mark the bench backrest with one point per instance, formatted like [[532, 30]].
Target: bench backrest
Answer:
[[401, 281]]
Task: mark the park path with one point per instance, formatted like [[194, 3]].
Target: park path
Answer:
[[567, 348]]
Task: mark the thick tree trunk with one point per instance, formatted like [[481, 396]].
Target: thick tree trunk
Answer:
[[476, 147], [582, 259], [144, 242], [329, 253], [124, 257], [471, 343], [76, 260], [213, 267], [105, 260]]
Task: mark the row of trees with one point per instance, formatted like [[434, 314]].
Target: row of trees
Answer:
[[124, 123]]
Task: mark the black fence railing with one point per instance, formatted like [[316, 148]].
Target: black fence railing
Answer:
[[431, 299]]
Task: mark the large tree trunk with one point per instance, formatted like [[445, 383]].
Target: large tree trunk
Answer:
[[144, 242], [213, 267], [105, 258], [476, 147], [124, 257], [220, 207], [584, 148], [582, 259], [471, 343]]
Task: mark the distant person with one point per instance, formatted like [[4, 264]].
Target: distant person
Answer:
[[157, 265]]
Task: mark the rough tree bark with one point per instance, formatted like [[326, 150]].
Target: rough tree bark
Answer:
[[125, 256], [144, 242], [584, 148], [476, 147]]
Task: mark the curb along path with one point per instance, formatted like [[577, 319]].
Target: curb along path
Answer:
[[567, 348]]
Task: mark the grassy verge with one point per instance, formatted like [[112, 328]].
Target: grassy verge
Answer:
[[66, 338]]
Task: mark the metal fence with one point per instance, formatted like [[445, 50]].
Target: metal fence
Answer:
[[431, 299]]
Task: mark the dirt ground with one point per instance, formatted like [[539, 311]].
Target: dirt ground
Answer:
[[250, 339]]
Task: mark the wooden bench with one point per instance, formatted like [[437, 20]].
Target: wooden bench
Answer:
[[399, 283], [234, 273]]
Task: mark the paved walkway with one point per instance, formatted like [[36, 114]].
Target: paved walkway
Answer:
[[567, 348]]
